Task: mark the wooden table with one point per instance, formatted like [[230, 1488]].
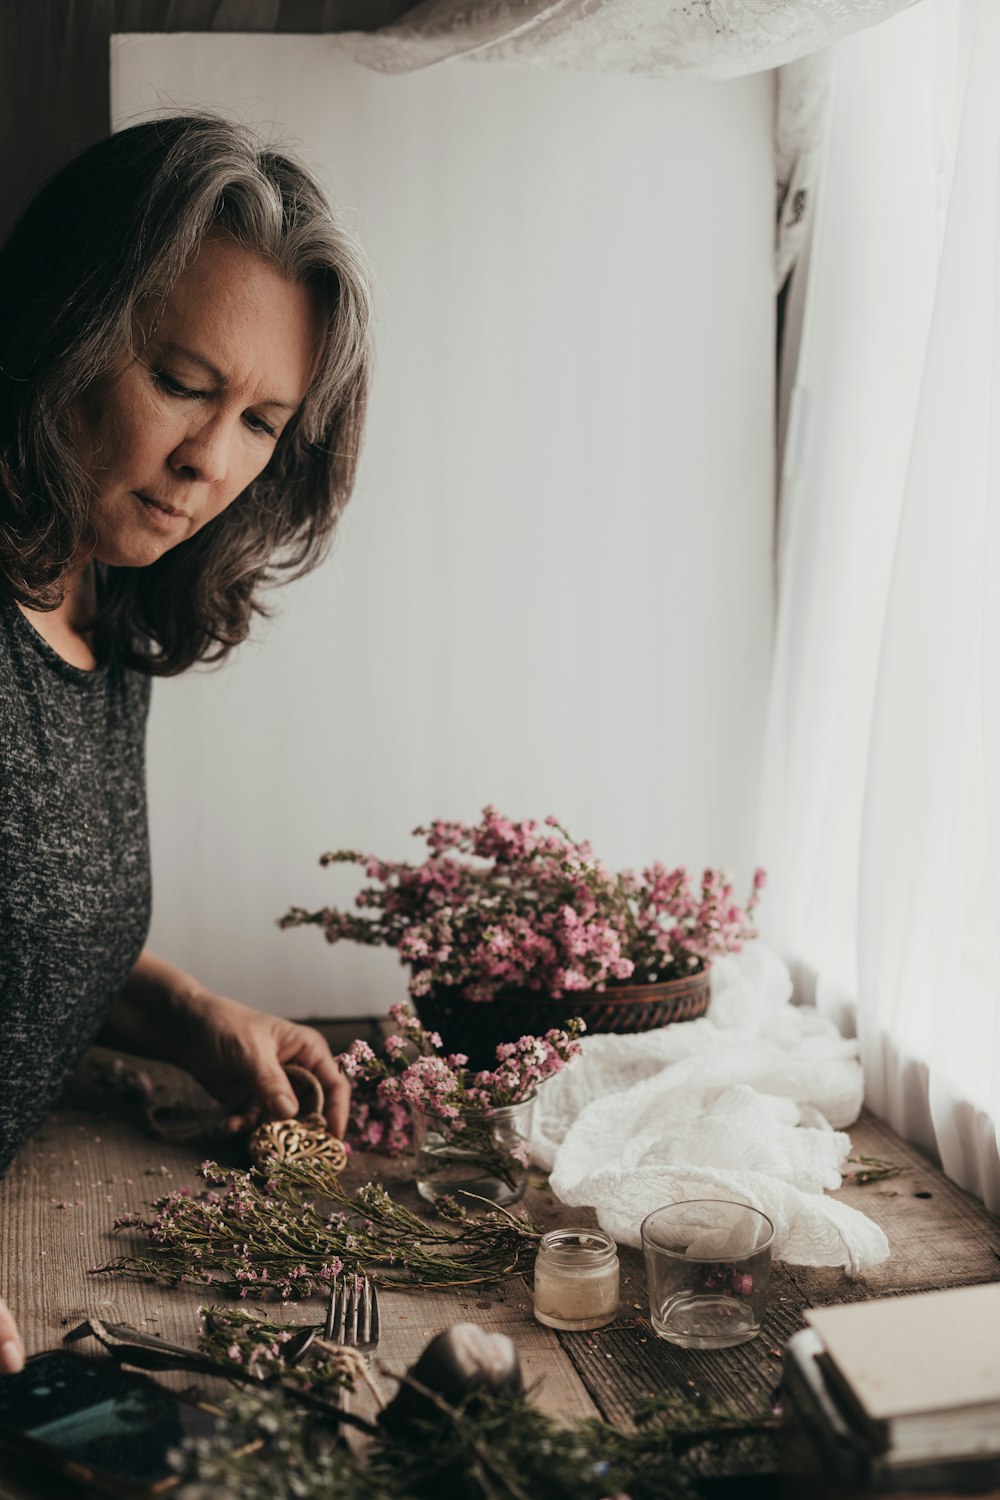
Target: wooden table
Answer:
[[83, 1169]]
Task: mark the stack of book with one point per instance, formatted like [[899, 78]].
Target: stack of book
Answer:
[[901, 1394]]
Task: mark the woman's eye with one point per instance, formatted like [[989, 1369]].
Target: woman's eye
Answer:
[[258, 424], [175, 387]]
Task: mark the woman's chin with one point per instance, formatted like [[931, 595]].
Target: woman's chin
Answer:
[[141, 552]]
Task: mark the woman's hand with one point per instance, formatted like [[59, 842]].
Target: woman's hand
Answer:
[[11, 1346], [236, 1053]]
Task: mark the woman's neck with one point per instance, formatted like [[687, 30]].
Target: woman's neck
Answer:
[[65, 626]]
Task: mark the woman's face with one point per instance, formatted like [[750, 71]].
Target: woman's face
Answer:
[[182, 429]]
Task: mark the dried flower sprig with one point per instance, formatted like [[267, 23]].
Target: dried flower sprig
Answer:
[[497, 1446], [289, 1228], [231, 1336], [536, 911], [864, 1169], [264, 1448], [442, 1086]]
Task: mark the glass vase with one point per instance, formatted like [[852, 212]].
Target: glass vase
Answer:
[[485, 1155]]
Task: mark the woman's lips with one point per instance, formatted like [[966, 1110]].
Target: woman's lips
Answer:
[[164, 517]]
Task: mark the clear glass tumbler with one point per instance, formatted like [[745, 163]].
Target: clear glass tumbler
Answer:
[[708, 1265], [486, 1154]]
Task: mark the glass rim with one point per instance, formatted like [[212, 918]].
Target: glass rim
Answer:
[[568, 1247], [491, 1111], [647, 1242]]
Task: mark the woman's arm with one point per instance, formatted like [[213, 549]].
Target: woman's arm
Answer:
[[236, 1053]]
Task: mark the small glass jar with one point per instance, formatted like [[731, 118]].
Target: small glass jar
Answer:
[[479, 1155], [576, 1279]]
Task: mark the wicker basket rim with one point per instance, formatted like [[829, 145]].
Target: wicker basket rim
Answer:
[[619, 994]]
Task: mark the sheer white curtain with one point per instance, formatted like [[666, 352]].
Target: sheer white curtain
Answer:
[[881, 819]]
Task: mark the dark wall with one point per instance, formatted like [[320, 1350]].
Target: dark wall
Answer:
[[54, 66]]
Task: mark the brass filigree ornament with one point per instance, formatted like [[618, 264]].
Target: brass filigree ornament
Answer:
[[304, 1138], [295, 1140]]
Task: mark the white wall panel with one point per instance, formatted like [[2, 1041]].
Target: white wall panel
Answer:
[[552, 589]]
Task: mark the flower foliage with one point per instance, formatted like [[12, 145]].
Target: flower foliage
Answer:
[[493, 1446], [374, 1126], [231, 1336], [504, 905], [289, 1230], [442, 1086]]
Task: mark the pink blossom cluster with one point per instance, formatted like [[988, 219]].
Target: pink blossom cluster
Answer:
[[376, 1126], [260, 1352], [524, 906], [683, 927], [442, 1086]]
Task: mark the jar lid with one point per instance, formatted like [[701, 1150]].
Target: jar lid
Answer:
[[580, 1248]]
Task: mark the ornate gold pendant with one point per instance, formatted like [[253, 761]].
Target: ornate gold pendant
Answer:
[[306, 1138]]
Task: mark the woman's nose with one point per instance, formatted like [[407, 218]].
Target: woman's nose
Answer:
[[205, 453]]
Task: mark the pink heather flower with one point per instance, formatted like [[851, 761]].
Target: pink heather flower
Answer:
[[506, 904], [358, 1060]]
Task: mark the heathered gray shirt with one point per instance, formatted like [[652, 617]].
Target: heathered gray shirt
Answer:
[[74, 861]]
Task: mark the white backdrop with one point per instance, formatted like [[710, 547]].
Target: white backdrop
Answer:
[[552, 589]]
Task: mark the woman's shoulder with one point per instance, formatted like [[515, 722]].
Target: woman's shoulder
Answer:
[[33, 672]]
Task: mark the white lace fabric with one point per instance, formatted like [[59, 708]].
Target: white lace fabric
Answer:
[[747, 1103]]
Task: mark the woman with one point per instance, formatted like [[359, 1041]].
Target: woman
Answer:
[[183, 355]]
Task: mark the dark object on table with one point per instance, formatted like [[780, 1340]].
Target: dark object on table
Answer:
[[454, 1366], [89, 1421], [477, 1028]]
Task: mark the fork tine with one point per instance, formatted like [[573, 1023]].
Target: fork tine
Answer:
[[352, 1315], [353, 1308], [330, 1305], [375, 1325], [340, 1318], [364, 1310]]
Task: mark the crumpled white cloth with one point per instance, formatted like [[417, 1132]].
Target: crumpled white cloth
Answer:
[[745, 1103]]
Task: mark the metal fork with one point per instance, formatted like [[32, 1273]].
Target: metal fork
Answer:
[[352, 1317]]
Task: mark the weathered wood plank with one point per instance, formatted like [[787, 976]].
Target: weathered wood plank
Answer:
[[938, 1234], [83, 1169], [504, 1307]]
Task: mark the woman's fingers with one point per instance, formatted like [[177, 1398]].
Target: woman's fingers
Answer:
[[315, 1054], [337, 1091], [241, 1057], [11, 1347]]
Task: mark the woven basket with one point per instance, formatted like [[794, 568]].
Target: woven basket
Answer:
[[478, 1027]]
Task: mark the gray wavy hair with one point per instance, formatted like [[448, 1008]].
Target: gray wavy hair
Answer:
[[112, 231]]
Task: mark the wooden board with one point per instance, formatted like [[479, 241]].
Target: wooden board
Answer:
[[84, 1169]]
